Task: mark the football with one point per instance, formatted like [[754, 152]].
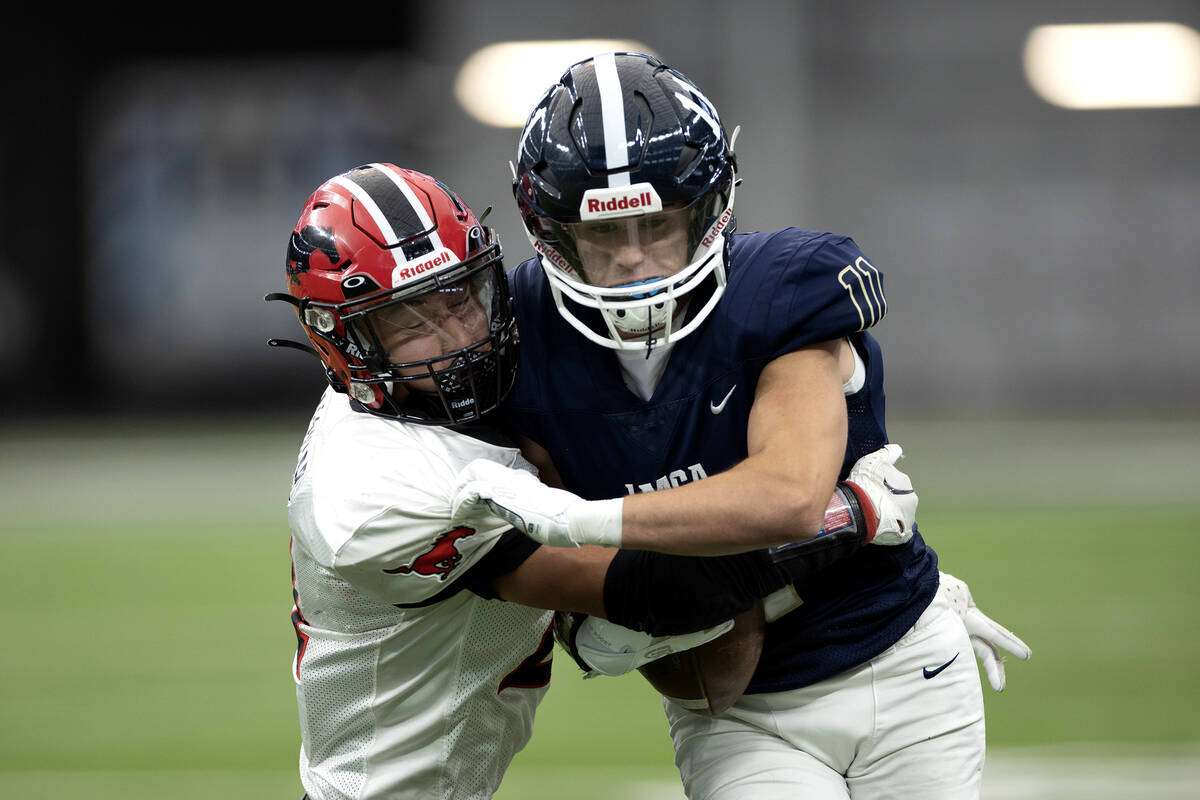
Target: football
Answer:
[[710, 678]]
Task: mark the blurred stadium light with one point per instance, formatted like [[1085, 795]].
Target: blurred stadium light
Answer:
[[1115, 65], [500, 83]]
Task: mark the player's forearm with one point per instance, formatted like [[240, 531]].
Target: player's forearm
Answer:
[[754, 505], [570, 579], [795, 439], [744, 508]]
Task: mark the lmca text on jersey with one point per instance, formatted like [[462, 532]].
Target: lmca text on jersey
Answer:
[[673, 478]]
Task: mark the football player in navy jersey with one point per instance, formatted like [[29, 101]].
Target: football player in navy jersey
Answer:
[[412, 678], [701, 392]]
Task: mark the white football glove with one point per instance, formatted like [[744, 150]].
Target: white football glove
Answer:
[[610, 649], [987, 636], [547, 515], [891, 492]]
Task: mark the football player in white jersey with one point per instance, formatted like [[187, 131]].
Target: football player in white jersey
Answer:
[[413, 678]]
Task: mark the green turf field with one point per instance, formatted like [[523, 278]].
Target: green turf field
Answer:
[[148, 643]]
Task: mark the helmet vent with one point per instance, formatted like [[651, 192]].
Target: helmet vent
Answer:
[[643, 124], [459, 209], [689, 159], [417, 248], [546, 175]]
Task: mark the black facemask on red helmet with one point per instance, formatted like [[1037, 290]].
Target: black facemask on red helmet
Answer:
[[403, 296]]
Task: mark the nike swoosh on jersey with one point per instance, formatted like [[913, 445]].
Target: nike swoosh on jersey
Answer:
[[929, 673], [717, 408]]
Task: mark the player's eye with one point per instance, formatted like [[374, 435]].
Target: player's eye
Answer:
[[600, 229], [407, 318], [413, 322]]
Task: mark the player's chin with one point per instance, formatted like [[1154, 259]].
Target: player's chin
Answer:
[[710, 678]]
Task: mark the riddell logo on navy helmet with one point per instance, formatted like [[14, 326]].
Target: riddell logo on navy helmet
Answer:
[[640, 198], [405, 272], [717, 227], [595, 206], [553, 256]]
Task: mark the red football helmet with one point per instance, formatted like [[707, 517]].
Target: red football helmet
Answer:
[[403, 295]]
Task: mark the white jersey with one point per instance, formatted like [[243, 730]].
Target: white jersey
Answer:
[[432, 700]]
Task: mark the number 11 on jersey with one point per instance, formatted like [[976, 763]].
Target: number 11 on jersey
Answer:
[[865, 285]]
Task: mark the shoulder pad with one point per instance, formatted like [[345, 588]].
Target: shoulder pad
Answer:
[[803, 287]]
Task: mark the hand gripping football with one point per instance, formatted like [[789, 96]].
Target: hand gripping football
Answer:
[[710, 678]]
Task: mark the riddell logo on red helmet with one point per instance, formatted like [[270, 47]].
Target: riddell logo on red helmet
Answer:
[[620, 201], [415, 269]]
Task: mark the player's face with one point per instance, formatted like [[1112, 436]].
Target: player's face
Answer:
[[441, 321], [621, 252]]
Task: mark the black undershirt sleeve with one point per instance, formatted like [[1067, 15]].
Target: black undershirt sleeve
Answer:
[[505, 556], [667, 594]]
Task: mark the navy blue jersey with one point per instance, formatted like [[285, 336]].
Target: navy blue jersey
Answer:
[[785, 290]]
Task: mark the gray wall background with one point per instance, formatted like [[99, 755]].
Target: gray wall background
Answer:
[[1039, 261]]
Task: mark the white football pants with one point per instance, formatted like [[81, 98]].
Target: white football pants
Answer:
[[881, 730]]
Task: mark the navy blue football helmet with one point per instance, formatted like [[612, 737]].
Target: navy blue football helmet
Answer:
[[625, 181]]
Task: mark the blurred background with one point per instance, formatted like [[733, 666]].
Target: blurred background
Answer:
[[1040, 259], [1027, 178]]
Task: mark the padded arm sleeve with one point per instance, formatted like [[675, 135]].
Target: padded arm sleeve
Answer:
[[849, 524]]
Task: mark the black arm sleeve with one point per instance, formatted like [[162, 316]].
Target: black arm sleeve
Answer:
[[666, 594], [505, 556]]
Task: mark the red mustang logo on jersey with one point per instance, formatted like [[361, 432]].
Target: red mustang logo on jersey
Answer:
[[440, 559]]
